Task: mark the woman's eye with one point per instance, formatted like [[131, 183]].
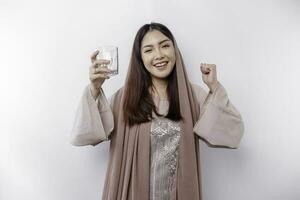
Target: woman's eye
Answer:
[[164, 46]]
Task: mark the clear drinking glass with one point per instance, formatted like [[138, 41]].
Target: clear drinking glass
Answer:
[[110, 53]]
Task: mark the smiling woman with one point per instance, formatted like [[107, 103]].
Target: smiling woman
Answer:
[[153, 75], [158, 55], [155, 121]]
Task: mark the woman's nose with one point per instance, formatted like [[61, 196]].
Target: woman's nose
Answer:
[[158, 54]]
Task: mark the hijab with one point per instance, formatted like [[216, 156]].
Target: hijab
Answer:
[[128, 172]]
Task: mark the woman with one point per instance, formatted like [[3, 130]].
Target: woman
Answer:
[[155, 121]]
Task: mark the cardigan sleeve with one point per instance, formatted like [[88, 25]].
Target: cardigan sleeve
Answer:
[[220, 123], [93, 122]]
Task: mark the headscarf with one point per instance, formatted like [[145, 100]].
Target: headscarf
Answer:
[[128, 172]]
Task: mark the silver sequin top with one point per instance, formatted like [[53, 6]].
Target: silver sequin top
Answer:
[[165, 136]]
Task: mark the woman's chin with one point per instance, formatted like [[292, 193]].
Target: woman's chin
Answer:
[[161, 75]]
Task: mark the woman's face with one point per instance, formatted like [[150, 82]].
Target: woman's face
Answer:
[[158, 54]]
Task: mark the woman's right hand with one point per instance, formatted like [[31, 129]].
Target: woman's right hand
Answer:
[[98, 73]]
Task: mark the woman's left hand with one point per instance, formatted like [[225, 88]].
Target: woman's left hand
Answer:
[[209, 75]]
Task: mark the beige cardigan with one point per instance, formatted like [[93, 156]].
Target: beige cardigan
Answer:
[[219, 124]]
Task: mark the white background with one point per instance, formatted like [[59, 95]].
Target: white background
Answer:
[[45, 48]]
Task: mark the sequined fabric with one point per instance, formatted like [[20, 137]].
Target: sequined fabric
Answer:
[[165, 137]]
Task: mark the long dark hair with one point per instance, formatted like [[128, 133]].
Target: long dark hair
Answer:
[[138, 103]]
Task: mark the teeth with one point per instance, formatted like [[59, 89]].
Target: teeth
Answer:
[[161, 64]]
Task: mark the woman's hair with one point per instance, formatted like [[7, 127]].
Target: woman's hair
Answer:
[[138, 102]]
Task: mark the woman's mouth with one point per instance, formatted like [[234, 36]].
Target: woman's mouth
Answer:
[[161, 64]]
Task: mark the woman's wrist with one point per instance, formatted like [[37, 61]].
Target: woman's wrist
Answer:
[[213, 87], [95, 92]]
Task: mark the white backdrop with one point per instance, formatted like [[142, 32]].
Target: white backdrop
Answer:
[[45, 49]]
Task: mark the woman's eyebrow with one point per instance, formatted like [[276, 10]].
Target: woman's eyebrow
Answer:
[[149, 45]]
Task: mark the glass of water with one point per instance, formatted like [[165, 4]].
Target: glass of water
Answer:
[[110, 53]]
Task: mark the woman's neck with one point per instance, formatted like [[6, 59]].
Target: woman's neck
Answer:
[[160, 87]]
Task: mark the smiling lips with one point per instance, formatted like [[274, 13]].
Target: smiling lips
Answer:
[[161, 64]]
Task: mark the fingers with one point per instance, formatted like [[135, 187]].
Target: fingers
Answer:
[[100, 63], [207, 68], [99, 70], [94, 56], [94, 77], [102, 70]]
